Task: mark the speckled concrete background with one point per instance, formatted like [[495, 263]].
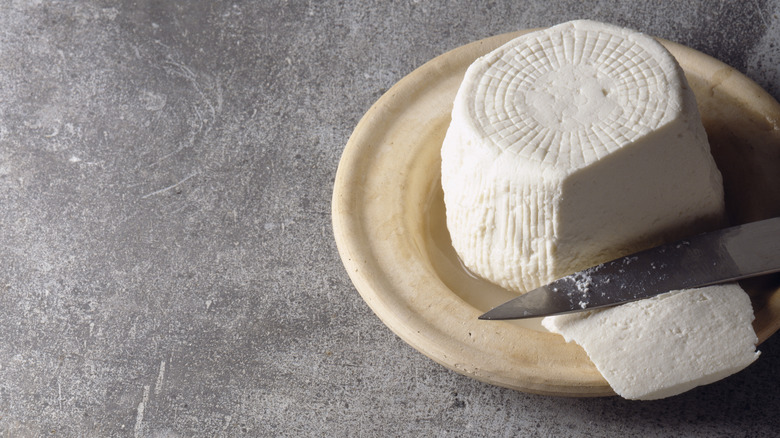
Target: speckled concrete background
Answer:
[[167, 265]]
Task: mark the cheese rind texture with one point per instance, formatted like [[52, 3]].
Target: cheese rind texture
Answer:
[[668, 344], [554, 129]]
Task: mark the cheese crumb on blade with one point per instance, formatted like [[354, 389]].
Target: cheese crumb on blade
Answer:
[[666, 345], [578, 144]]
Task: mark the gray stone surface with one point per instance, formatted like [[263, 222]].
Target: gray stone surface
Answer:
[[167, 265]]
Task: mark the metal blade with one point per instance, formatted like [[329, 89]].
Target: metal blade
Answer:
[[721, 256]]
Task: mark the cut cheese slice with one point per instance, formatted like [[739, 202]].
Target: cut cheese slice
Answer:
[[572, 146], [668, 344]]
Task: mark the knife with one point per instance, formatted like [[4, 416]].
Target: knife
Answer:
[[720, 256]]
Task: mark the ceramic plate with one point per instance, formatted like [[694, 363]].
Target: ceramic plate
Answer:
[[388, 219]]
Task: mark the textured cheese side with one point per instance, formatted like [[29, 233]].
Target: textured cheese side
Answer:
[[572, 146], [668, 344]]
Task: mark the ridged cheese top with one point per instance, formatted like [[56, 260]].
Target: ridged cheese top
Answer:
[[571, 94]]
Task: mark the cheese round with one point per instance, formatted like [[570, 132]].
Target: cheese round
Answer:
[[569, 147]]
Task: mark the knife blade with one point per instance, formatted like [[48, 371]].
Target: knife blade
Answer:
[[720, 256]]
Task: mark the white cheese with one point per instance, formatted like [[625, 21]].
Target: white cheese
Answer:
[[571, 146], [666, 345]]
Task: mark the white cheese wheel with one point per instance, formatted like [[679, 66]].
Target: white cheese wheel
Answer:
[[571, 146], [668, 344]]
